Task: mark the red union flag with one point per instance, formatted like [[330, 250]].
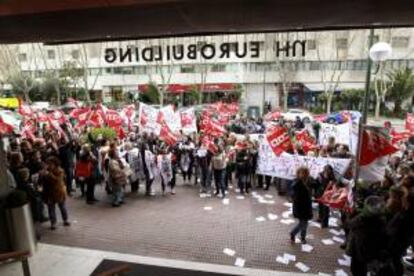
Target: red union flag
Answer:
[[167, 136], [272, 116], [211, 127], [375, 144], [399, 136], [279, 139], [113, 119], [59, 116], [307, 141], [409, 123]]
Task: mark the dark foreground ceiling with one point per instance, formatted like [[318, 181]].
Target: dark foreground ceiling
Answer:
[[65, 21]]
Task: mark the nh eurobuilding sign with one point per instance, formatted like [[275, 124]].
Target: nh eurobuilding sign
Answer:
[[205, 51]]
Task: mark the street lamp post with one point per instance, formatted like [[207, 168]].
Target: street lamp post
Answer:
[[378, 52]]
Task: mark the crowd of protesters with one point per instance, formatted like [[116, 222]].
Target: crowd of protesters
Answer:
[[53, 166]]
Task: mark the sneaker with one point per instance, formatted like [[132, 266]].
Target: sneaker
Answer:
[[173, 191], [303, 241], [115, 205], [66, 223], [53, 227]]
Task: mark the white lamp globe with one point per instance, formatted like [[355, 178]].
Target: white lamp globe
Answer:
[[380, 51]]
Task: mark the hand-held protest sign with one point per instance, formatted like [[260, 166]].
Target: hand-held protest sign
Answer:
[[279, 140]]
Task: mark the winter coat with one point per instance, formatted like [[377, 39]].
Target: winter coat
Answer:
[[400, 230], [117, 173], [367, 238], [302, 201], [54, 188]]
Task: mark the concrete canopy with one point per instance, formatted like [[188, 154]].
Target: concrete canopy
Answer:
[[67, 21]]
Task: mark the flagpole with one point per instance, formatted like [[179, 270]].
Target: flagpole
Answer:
[[363, 120]]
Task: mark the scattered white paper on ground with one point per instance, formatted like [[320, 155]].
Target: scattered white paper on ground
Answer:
[[75, 221], [203, 195], [271, 216], [229, 251], [208, 208], [289, 257], [302, 267], [288, 204], [338, 239], [240, 262], [335, 232], [240, 197], [344, 262], [307, 248], [287, 221], [282, 260], [310, 236], [333, 222], [268, 196], [286, 214], [315, 224], [260, 219], [230, 186], [226, 201], [340, 272], [327, 242]]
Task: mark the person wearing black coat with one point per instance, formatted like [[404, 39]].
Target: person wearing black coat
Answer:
[[367, 241], [400, 230], [302, 203]]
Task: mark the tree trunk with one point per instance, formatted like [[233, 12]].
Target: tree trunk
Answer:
[[58, 99], [26, 96], [85, 78], [377, 108], [397, 107], [328, 103], [285, 96], [162, 96]]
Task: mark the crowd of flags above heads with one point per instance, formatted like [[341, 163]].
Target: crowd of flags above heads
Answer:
[[168, 123]]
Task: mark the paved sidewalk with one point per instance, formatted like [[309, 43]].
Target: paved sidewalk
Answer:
[[187, 227]]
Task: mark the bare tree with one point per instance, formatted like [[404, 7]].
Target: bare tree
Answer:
[[11, 70], [331, 76]]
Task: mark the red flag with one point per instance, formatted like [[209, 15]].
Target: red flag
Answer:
[[113, 119], [399, 136], [272, 116], [74, 113], [29, 128], [409, 123], [307, 141], [279, 139], [83, 117], [42, 117], [25, 110], [210, 127], [167, 136], [5, 128], [97, 118], [335, 197], [58, 116], [375, 144], [208, 142]]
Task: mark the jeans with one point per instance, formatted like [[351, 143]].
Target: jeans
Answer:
[[242, 182], [69, 178], [51, 207], [323, 215], [219, 180], [267, 181], [117, 195], [205, 179], [301, 227]]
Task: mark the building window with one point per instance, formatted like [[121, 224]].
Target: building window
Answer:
[[127, 70], [218, 68], [375, 39], [75, 54], [140, 70], [108, 70], [94, 71], [22, 57], [314, 66], [187, 69], [51, 54], [311, 44], [400, 41], [342, 43]]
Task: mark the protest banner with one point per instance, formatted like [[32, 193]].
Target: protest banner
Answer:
[[148, 116], [172, 119], [278, 139], [188, 120], [342, 133], [285, 165]]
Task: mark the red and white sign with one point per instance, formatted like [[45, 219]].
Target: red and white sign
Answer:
[[279, 139]]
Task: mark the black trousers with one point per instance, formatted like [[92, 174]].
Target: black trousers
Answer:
[[267, 181], [324, 211], [90, 189]]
